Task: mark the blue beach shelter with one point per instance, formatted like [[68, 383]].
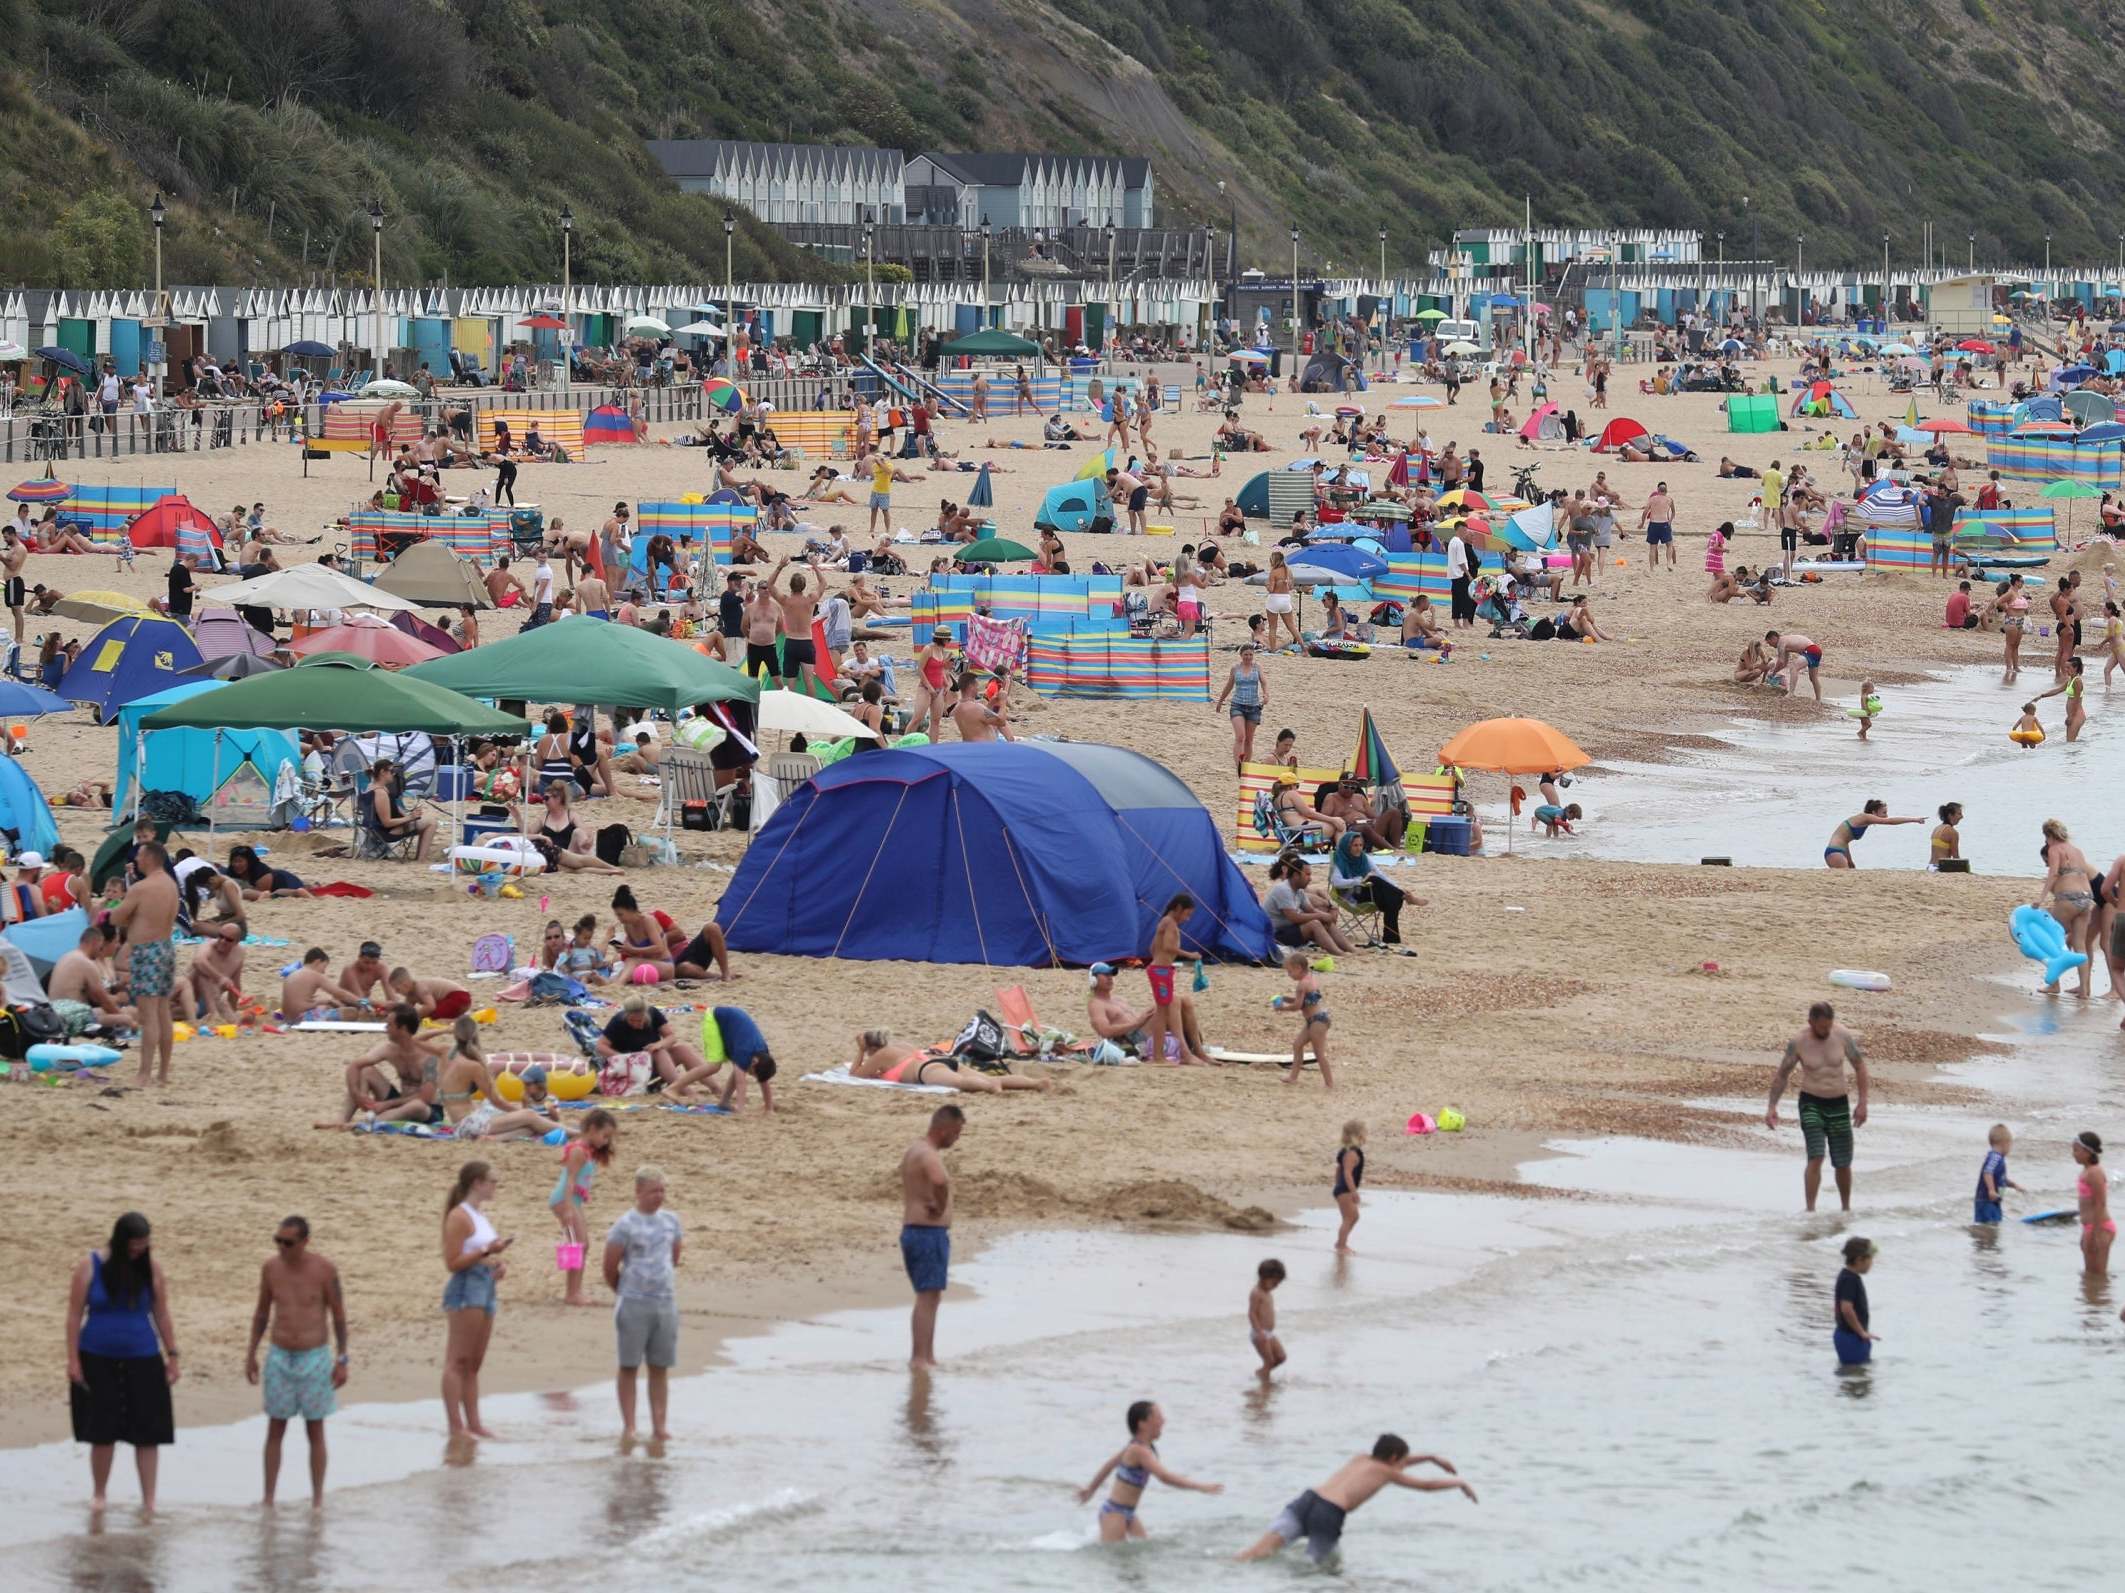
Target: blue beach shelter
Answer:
[[1071, 507], [128, 659], [196, 762], [1024, 854], [25, 819]]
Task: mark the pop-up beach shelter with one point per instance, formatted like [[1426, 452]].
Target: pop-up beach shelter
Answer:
[[585, 660], [1618, 432], [25, 818], [335, 694], [1070, 507], [990, 852], [430, 574], [200, 763], [1752, 412], [1824, 401]]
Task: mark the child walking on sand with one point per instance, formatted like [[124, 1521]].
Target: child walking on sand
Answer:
[[1313, 1019], [1261, 1315], [1350, 1174], [580, 1162], [1992, 1176]]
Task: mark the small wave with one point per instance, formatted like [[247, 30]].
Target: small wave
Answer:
[[1063, 1540], [782, 1505]]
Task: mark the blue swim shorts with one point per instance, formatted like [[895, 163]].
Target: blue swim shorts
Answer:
[[927, 1254]]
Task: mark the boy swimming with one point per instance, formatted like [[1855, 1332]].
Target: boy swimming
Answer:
[[1318, 1514]]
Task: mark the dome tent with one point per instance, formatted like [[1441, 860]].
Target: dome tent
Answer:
[[990, 852]]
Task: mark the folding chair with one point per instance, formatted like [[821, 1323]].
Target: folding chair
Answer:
[[371, 842], [1270, 824], [1357, 914]]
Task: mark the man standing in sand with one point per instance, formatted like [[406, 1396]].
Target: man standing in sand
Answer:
[[1793, 653], [297, 1289], [148, 915], [1658, 520], [926, 1227], [799, 658], [1827, 1115]]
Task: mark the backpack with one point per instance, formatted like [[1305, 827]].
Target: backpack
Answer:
[[494, 953], [611, 841], [981, 1042], [1543, 630], [23, 1027]]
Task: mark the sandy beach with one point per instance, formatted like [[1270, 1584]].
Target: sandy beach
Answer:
[[1548, 992]]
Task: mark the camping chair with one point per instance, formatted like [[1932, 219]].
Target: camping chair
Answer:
[[689, 776], [1357, 914], [371, 842], [1270, 824]]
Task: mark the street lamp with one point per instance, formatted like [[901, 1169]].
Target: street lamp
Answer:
[[568, 230], [1294, 303], [730, 303], [1232, 234], [1800, 250], [984, 273], [157, 215], [1972, 240], [870, 292], [1885, 276], [1106, 333], [1755, 251], [2047, 262], [376, 231]]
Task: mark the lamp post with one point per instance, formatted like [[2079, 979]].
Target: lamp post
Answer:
[[870, 292], [157, 215], [568, 234], [1232, 234], [2047, 263], [1384, 294], [1972, 241], [1721, 279], [984, 273], [1294, 303], [1885, 277], [1755, 251], [376, 232], [730, 303], [1106, 333], [1800, 252]]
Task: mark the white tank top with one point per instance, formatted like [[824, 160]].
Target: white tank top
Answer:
[[482, 1233]]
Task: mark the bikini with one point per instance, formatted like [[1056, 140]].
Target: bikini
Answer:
[[1128, 1477], [2080, 1187], [1843, 848]]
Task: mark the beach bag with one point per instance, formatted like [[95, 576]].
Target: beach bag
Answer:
[[981, 1041], [23, 1027], [611, 841], [494, 953]]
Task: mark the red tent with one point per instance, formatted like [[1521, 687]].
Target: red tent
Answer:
[[159, 526], [1618, 432]]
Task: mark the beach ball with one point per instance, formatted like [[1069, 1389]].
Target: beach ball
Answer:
[[643, 974], [1451, 1121], [1420, 1124]]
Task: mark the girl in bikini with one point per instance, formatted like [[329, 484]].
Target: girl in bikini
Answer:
[[1838, 854], [2091, 1188], [580, 1162], [1947, 839], [878, 1057], [471, 1102], [1132, 1468], [1278, 602], [2070, 886]]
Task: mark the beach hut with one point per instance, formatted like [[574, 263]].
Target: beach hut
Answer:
[[991, 852], [126, 660]]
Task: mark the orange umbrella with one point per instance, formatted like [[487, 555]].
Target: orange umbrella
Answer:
[[1943, 426], [1513, 746]]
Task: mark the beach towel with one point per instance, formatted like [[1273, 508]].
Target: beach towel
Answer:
[[841, 1075], [707, 1109], [341, 887], [428, 1131]]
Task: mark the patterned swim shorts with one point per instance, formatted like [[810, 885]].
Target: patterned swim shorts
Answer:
[[154, 968], [298, 1383]]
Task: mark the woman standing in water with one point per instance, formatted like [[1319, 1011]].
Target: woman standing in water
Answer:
[[121, 1357], [2091, 1187], [471, 1255], [2069, 883], [1133, 1466], [1838, 854], [2013, 606], [2071, 687]]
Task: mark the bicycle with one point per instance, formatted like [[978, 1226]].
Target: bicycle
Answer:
[[1525, 486]]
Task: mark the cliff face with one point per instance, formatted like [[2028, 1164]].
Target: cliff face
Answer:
[[272, 123]]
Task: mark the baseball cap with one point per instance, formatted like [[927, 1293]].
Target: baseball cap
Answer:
[[371, 949], [1101, 968], [535, 1074], [29, 860]]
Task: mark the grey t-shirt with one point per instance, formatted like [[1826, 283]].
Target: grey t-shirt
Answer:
[[645, 1271], [1282, 901]]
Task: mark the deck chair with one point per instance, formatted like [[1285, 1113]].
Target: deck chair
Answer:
[[689, 776], [1270, 825], [1026, 1030]]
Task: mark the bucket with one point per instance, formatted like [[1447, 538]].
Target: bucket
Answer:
[[568, 1257]]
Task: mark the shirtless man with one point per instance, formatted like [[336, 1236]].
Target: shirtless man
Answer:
[[216, 976], [1318, 1514], [592, 597], [794, 613], [1827, 1115], [297, 1290], [1113, 1019], [975, 719], [365, 975], [1791, 655], [148, 915], [1657, 519], [763, 614], [926, 1228], [14, 555], [309, 994], [444, 1000], [78, 976], [1159, 970], [411, 1097], [501, 580]]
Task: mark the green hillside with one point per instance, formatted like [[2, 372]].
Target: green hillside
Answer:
[[271, 123]]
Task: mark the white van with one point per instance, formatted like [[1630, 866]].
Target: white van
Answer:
[[1460, 332]]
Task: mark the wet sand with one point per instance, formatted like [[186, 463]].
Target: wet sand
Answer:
[[1584, 1011]]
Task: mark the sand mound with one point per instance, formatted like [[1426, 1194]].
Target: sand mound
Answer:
[[1172, 1201], [220, 1141], [997, 1194]]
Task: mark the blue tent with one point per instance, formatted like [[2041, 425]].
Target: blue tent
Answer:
[[24, 818], [1339, 559], [189, 760], [1072, 506], [128, 659], [1254, 497], [2048, 407], [990, 852]]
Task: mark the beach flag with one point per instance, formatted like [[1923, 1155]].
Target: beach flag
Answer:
[[1372, 763], [982, 496]]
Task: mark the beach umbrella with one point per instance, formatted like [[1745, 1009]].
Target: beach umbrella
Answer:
[[1464, 498], [309, 349], [1898, 348], [1339, 559], [370, 640], [698, 329], [100, 608], [66, 359], [1943, 426], [1977, 345], [1513, 746], [46, 488], [20, 697], [2070, 491], [1429, 315], [799, 712], [724, 394], [544, 323], [2090, 407], [389, 387], [11, 351], [982, 495], [2046, 427], [230, 666], [1462, 347], [647, 326], [1248, 356], [995, 550], [1371, 762], [1420, 401]]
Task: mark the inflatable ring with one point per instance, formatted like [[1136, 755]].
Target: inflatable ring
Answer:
[[568, 1078], [1339, 650], [1870, 709], [2026, 738], [512, 856], [66, 1058]]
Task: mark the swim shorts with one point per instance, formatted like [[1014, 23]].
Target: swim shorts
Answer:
[[298, 1383], [1789, 536], [1161, 977], [454, 1005], [759, 658], [1814, 657], [1138, 498], [1852, 1350], [1827, 1122], [154, 966], [1987, 1211], [17, 593], [797, 650], [926, 1252], [647, 1331], [1658, 532], [1313, 1518]]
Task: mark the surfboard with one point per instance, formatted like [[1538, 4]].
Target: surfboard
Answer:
[[1220, 1054], [2069, 1214]]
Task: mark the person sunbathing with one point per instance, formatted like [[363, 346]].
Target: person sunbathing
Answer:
[[472, 1102], [1299, 814], [878, 1056]]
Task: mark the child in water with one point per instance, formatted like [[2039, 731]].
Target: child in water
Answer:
[[1992, 1176], [1554, 819], [1855, 1344], [1313, 1020], [1350, 1174], [2027, 731], [1869, 706], [1133, 1466], [1261, 1315]]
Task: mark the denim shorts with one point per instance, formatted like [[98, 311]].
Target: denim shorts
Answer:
[[470, 1290]]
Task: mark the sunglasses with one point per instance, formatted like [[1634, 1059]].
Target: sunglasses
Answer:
[[285, 1242]]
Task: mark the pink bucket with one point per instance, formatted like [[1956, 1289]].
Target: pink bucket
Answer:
[[1420, 1124], [568, 1257]]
